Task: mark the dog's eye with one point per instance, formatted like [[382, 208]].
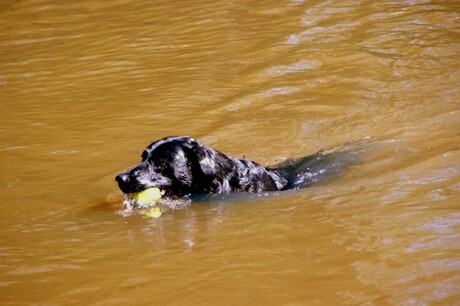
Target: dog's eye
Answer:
[[144, 155]]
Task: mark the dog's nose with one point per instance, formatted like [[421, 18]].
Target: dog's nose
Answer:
[[121, 178], [123, 182]]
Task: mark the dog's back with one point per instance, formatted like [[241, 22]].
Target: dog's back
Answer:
[[318, 167]]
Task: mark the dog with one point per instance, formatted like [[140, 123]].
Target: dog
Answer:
[[181, 167]]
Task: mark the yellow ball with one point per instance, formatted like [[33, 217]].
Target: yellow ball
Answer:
[[147, 197], [153, 213]]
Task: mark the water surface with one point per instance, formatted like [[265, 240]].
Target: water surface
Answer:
[[86, 85]]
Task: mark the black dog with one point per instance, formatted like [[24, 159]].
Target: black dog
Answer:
[[181, 166]]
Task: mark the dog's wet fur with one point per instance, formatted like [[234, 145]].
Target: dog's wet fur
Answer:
[[182, 167]]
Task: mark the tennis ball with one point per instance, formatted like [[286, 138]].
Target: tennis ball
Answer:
[[153, 213], [147, 197]]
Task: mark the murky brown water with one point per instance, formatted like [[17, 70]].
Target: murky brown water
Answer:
[[86, 85]]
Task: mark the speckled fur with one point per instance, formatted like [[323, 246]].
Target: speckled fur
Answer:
[[182, 166]]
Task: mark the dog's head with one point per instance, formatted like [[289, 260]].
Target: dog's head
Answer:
[[177, 165]]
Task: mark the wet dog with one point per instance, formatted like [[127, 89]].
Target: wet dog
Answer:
[[181, 166]]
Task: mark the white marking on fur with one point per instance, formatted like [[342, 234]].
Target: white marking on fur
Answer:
[[180, 154], [208, 163], [226, 186], [145, 182]]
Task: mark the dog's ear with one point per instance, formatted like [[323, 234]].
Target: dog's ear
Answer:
[[209, 168], [181, 167], [213, 163], [202, 162], [207, 161]]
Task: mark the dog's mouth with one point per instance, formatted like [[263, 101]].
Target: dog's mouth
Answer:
[[145, 202], [152, 202], [145, 198]]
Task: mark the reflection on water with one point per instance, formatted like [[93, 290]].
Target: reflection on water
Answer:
[[85, 86]]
